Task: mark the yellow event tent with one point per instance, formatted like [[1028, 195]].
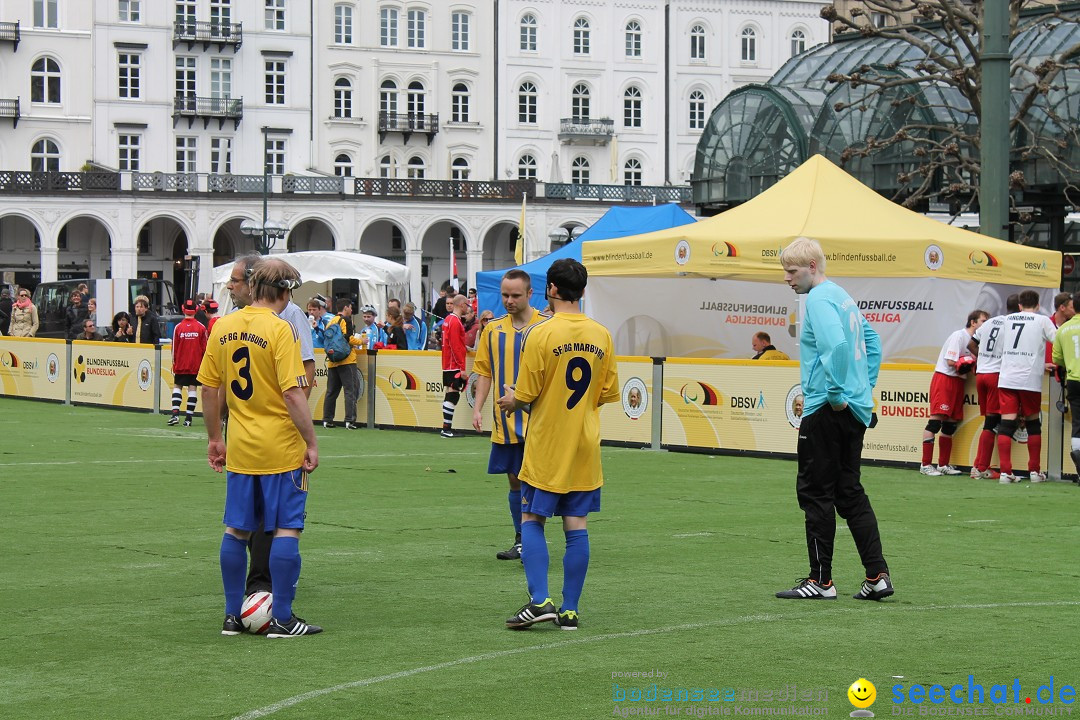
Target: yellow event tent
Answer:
[[702, 290]]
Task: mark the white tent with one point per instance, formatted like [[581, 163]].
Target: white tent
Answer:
[[379, 279]]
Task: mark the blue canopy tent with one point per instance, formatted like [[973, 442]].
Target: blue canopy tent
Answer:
[[615, 223]]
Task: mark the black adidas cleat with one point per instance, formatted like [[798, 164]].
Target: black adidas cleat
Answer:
[[514, 553], [531, 614], [567, 619], [187, 422], [174, 419], [294, 627], [232, 625], [809, 589], [877, 588]]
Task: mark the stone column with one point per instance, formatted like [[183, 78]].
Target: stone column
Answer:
[[49, 261], [474, 263], [414, 261]]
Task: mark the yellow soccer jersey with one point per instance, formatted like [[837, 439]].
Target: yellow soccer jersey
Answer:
[[498, 356], [567, 371], [254, 356]]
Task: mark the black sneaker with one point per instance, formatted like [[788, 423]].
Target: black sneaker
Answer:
[[446, 433], [295, 627], [187, 422], [232, 625], [567, 619], [351, 426], [530, 614], [174, 419], [329, 424], [514, 553], [877, 588], [809, 589]]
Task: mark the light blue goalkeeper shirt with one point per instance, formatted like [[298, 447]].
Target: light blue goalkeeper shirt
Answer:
[[839, 353]]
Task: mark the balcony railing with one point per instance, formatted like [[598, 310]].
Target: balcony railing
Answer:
[[619, 193], [9, 32], [208, 33], [462, 189], [182, 182], [9, 108], [207, 109], [408, 123], [28, 181], [592, 130]]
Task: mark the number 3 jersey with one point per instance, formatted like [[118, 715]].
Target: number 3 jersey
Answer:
[[567, 371], [253, 356], [1023, 352]]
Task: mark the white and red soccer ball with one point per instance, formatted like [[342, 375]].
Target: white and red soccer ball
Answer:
[[255, 613]]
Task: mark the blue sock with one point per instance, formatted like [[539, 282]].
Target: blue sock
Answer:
[[534, 556], [284, 574], [514, 498], [233, 572], [575, 564]]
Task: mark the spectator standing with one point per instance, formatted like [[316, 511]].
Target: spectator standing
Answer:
[[121, 331], [1023, 363], [210, 309], [764, 349], [76, 313], [839, 360], [145, 322], [947, 396], [5, 310], [188, 347], [342, 375], [453, 361], [472, 335], [24, 316], [91, 310], [394, 332], [415, 328], [89, 331], [318, 318], [370, 329]]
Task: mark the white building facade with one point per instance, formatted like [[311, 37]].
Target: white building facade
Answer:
[[137, 133]]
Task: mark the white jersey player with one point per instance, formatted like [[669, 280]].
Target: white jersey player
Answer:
[[990, 341], [954, 348]]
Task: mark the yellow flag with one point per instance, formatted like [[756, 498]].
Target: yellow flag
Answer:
[[519, 250]]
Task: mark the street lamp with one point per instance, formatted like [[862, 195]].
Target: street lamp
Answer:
[[559, 237], [270, 231]]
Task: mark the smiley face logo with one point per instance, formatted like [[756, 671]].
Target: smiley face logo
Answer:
[[862, 693]]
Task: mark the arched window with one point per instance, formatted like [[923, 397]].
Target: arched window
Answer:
[[526, 167], [386, 167], [632, 107], [632, 172], [417, 168], [415, 99], [459, 169], [343, 98], [697, 42], [388, 97], [798, 42], [459, 103], [45, 156], [343, 165], [581, 36], [749, 45], [633, 39], [45, 81], [579, 171], [527, 103], [697, 110], [343, 28], [579, 102], [528, 33]]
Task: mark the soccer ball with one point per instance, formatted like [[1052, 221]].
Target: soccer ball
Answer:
[[255, 613]]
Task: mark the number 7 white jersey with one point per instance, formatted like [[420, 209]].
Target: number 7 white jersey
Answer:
[[1023, 352], [990, 338]]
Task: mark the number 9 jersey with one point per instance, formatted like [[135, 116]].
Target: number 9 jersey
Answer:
[[253, 356], [567, 371]]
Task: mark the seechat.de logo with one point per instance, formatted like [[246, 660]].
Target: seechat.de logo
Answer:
[[980, 258], [403, 380], [699, 393], [724, 249]]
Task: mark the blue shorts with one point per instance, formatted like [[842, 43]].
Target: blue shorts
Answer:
[[506, 458], [280, 500], [577, 503]]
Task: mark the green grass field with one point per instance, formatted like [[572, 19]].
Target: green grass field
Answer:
[[111, 592]]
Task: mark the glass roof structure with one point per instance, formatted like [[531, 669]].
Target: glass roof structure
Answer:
[[759, 133]]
